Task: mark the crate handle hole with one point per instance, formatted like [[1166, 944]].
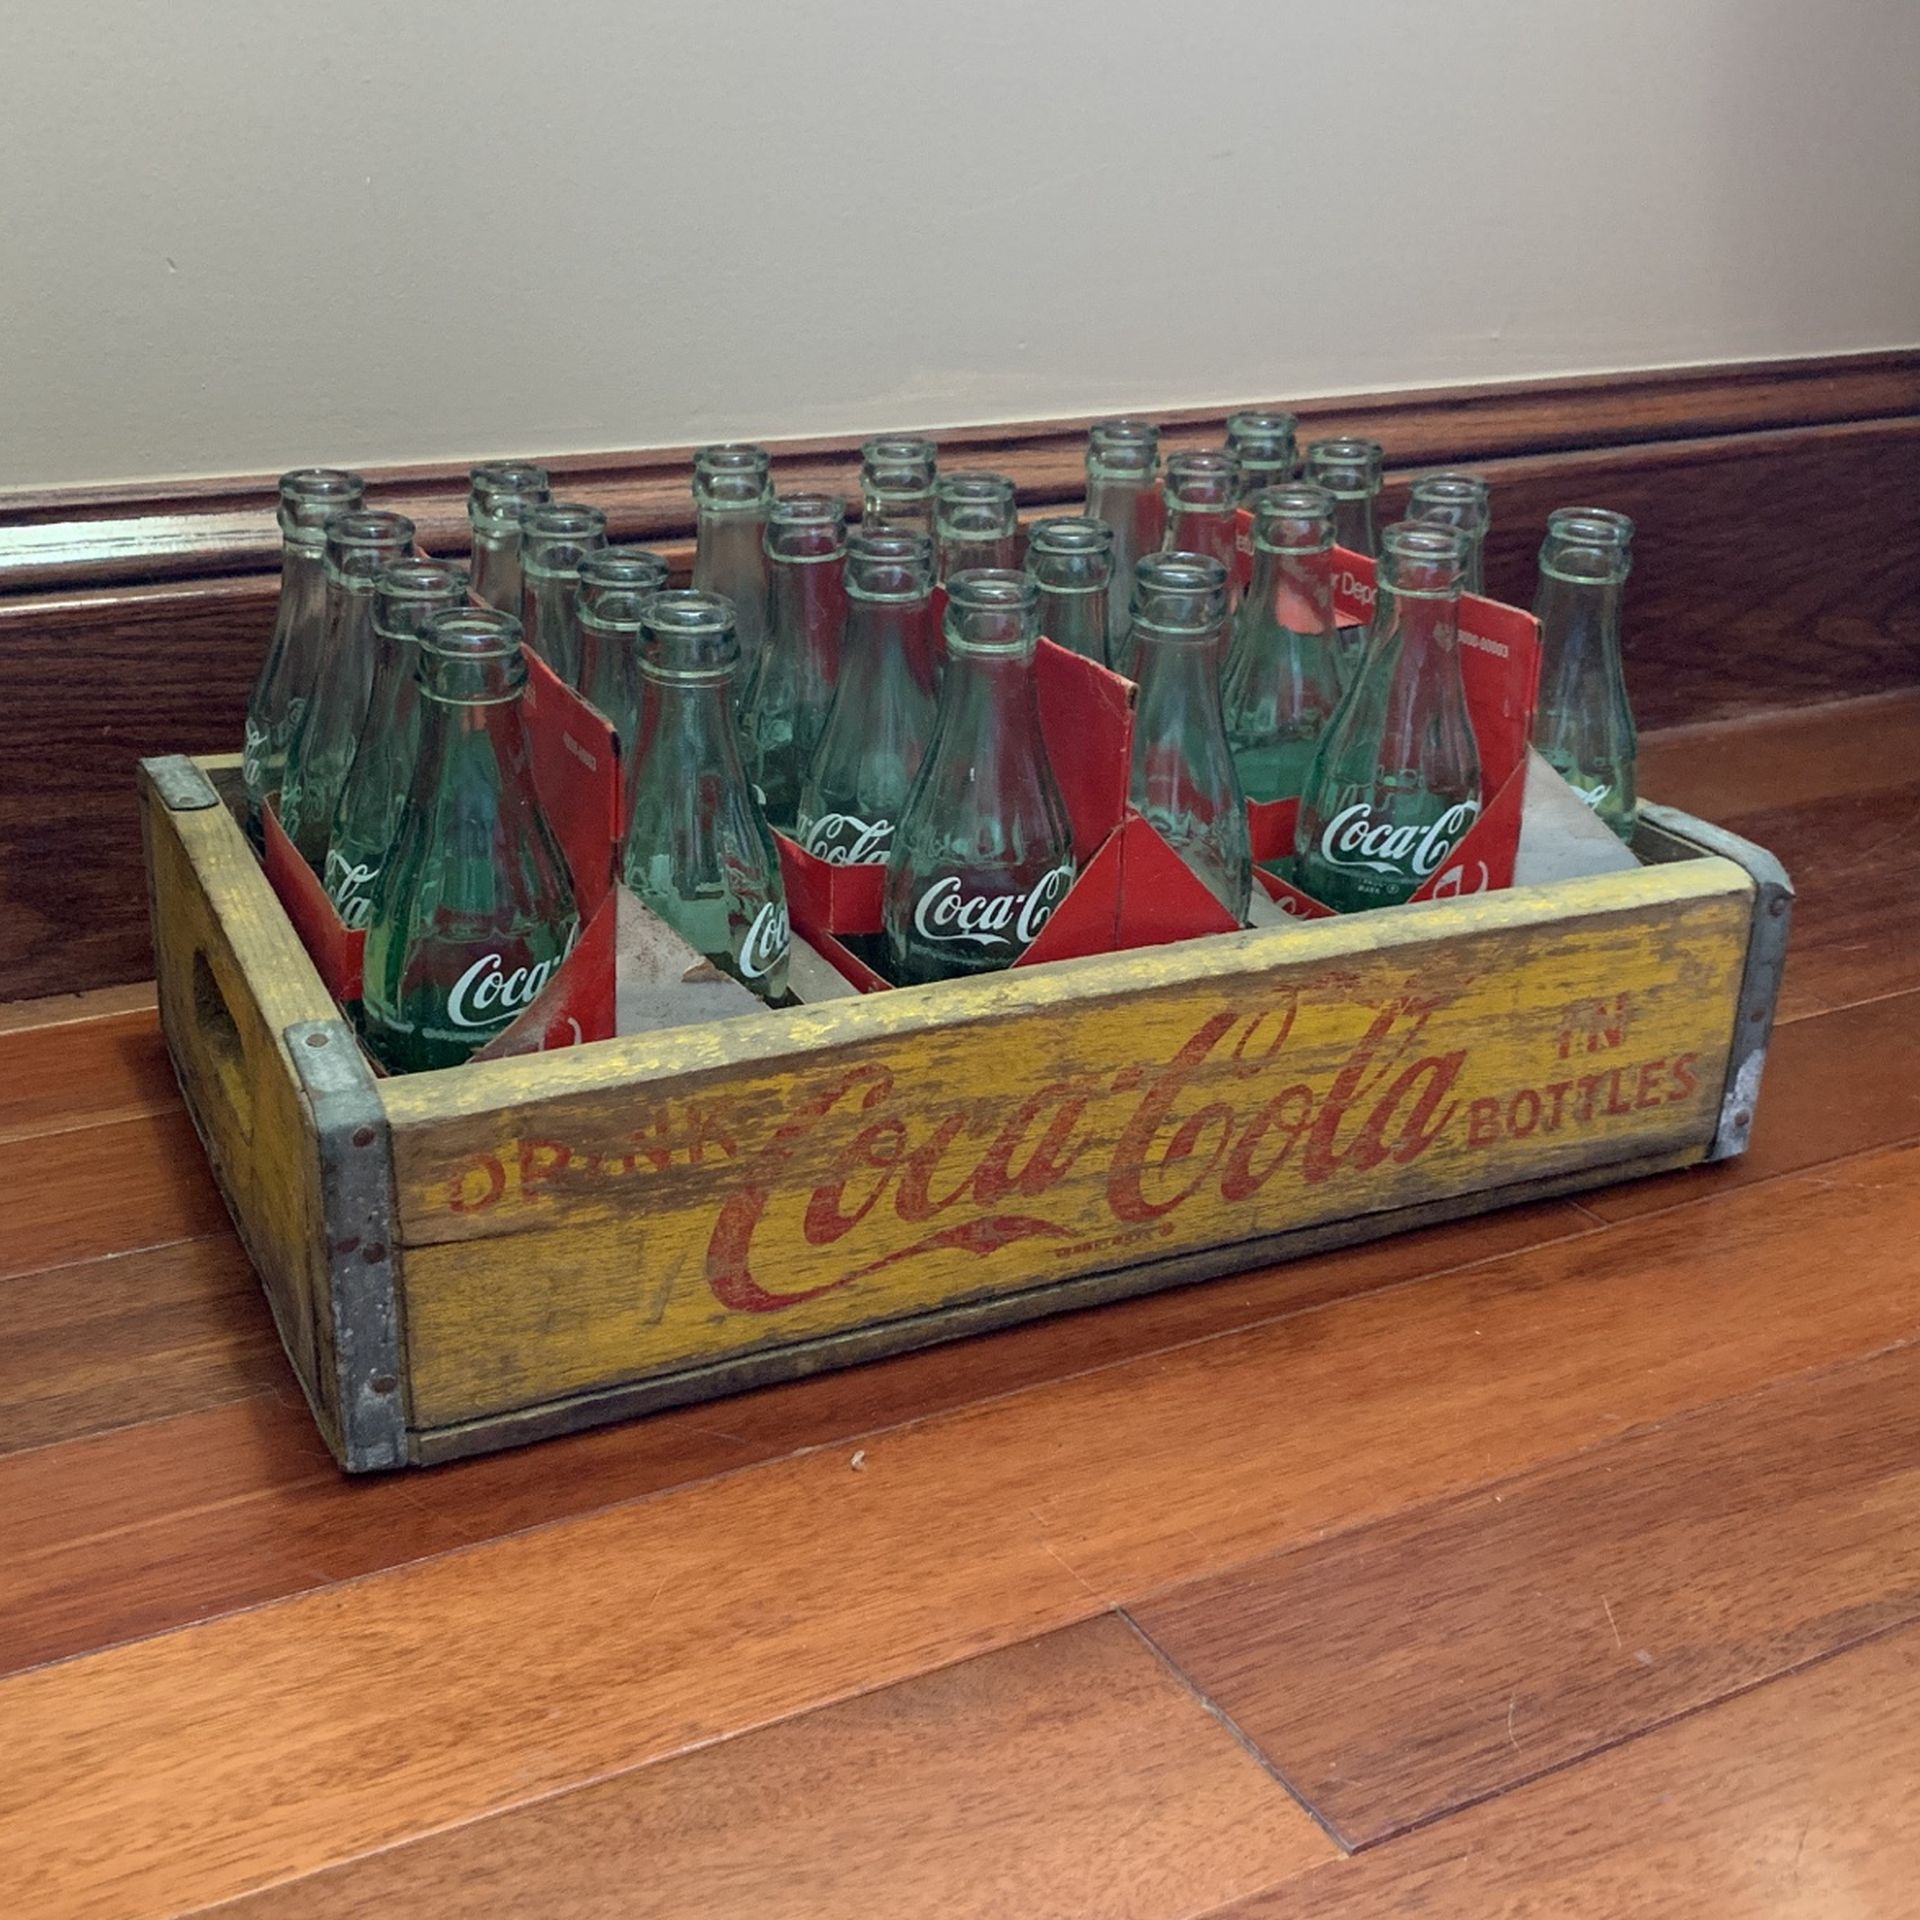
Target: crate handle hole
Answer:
[[219, 1035]]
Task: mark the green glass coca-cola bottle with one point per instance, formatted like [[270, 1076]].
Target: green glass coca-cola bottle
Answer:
[[1203, 497], [320, 748], [1350, 470], [698, 849], [1282, 680], [976, 521], [1263, 443], [1583, 723], [732, 495], [474, 910], [405, 597], [1395, 782], [615, 584], [1071, 562], [559, 535], [1123, 489], [785, 710], [499, 496], [897, 475], [882, 713], [310, 498], [1457, 500], [1183, 782], [983, 852]]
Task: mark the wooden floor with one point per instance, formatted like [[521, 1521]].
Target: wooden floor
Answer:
[[1569, 1565]]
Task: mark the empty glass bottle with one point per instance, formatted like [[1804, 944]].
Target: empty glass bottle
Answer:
[[1395, 781], [499, 495], [1282, 679], [1350, 471], [785, 710], [1263, 443], [882, 713], [559, 535], [975, 521], [1123, 475], [405, 597], [614, 584], [897, 475], [1071, 562], [1203, 496], [1183, 781], [1583, 723], [698, 849], [732, 492], [983, 853], [474, 911], [1457, 500], [320, 748], [310, 497]]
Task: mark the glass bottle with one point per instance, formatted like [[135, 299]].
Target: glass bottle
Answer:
[[474, 911], [1263, 443], [1203, 496], [785, 710], [897, 474], [1395, 781], [360, 547], [1583, 723], [1123, 476], [698, 850], [976, 522], [498, 497], [984, 849], [1350, 471], [1071, 562], [405, 597], [559, 535], [1183, 782], [882, 712], [1282, 679], [614, 583], [1457, 500], [732, 492], [310, 497]]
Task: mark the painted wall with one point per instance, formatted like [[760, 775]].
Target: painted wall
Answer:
[[240, 236]]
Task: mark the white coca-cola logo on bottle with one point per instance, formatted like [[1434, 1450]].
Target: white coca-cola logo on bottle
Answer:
[[946, 911], [845, 840], [767, 941], [1353, 838], [490, 993], [253, 747], [350, 887]]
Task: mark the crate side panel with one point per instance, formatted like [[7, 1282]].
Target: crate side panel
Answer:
[[230, 978], [683, 1221]]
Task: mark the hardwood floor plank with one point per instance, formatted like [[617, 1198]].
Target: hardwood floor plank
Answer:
[[214, 1761], [1065, 1777], [1396, 1674], [1800, 1798], [108, 1189], [60, 1009], [1836, 1084], [81, 1073], [134, 1337]]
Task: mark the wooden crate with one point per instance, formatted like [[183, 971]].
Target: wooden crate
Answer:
[[468, 1259]]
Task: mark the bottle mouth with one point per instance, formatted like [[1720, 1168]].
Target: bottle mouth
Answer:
[[622, 568], [1348, 469], [361, 545], [1603, 525], [992, 611], [806, 527], [688, 635], [556, 537], [1203, 482], [1070, 555], [472, 657], [976, 506], [310, 498], [890, 566], [1182, 594], [421, 580], [1262, 440], [1423, 559], [1295, 518], [1119, 449], [1587, 548], [615, 609], [1458, 499], [732, 477], [898, 462], [500, 493]]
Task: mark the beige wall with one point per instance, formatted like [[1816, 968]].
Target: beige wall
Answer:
[[244, 233]]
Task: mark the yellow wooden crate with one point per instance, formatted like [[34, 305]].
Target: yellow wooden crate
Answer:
[[466, 1259]]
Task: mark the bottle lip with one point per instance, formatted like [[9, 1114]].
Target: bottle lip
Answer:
[[1295, 517], [500, 492], [615, 608], [903, 558], [557, 536], [481, 641], [417, 579], [1070, 554], [622, 567], [1459, 499], [732, 476], [974, 484], [310, 497], [508, 476], [564, 520], [1179, 593], [1617, 527], [1208, 481], [1268, 436], [899, 450], [1586, 549], [363, 542], [986, 592], [1349, 469], [687, 623], [1432, 551], [806, 529]]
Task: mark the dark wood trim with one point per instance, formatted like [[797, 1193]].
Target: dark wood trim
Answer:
[[64, 536]]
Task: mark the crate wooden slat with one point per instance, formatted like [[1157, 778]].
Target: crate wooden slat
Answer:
[[465, 1259]]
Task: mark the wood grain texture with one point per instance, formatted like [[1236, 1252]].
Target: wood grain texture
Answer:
[[78, 1073], [211, 1762], [1396, 1674], [1799, 1799], [134, 1337], [989, 1788]]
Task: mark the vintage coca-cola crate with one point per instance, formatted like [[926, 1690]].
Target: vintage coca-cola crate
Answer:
[[467, 1259]]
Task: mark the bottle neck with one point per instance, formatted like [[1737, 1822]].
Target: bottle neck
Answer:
[[688, 741], [729, 558], [896, 509], [303, 586], [496, 564], [1292, 590], [1076, 618], [350, 623], [889, 639], [1415, 641], [988, 717], [1579, 628], [1179, 677], [1210, 530], [1353, 524], [807, 604]]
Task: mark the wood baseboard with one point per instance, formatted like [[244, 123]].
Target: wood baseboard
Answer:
[[1775, 567]]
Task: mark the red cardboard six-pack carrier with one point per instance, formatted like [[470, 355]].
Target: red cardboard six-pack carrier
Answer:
[[1131, 889]]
